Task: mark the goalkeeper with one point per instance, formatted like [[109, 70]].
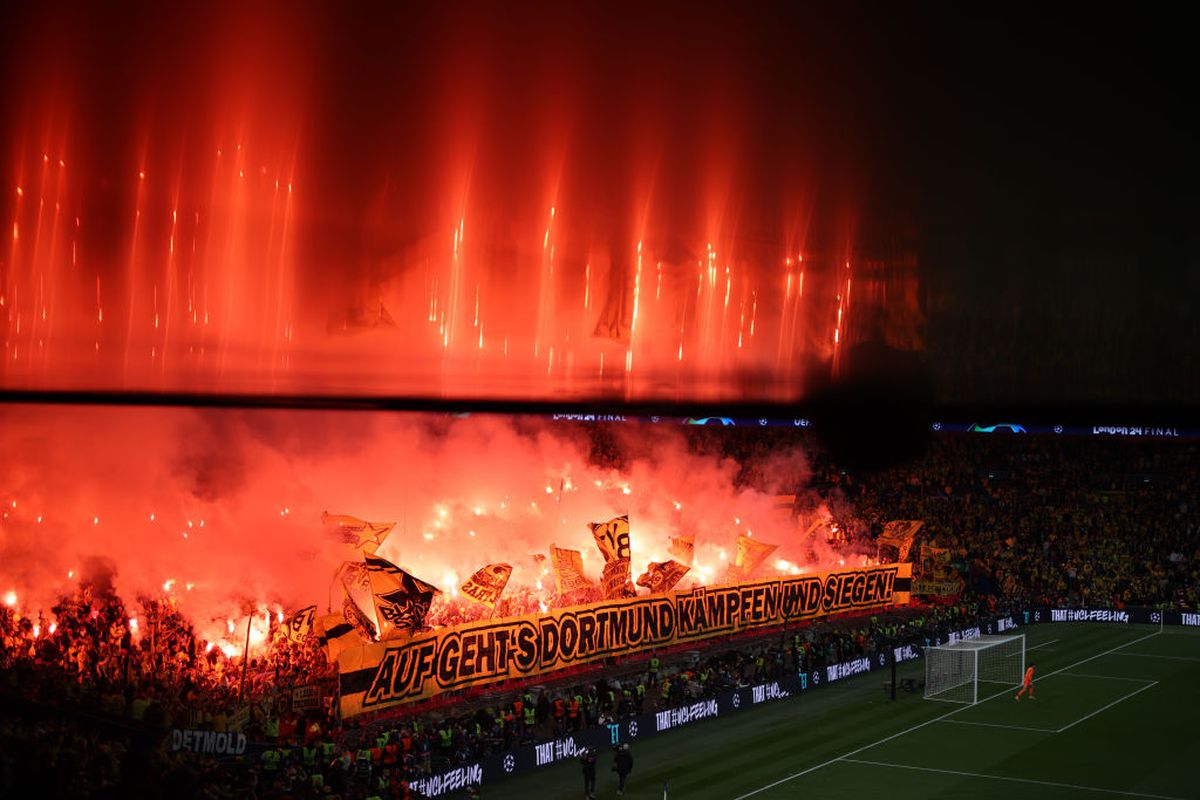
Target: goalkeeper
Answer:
[[1028, 686]]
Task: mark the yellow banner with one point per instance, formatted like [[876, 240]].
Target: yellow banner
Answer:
[[950, 587], [379, 675]]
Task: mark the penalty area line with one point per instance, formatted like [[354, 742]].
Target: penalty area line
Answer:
[[920, 725], [1043, 644], [1159, 655], [1110, 705], [998, 725], [1106, 677], [1056, 785]]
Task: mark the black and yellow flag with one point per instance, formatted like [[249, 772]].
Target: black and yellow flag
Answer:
[[661, 577], [900, 534], [612, 538], [335, 634], [354, 615], [784, 502], [486, 585], [358, 533], [401, 600], [298, 626]]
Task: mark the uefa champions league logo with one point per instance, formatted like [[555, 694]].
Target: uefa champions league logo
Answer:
[[510, 763], [737, 701], [633, 729], [1155, 616], [882, 659]]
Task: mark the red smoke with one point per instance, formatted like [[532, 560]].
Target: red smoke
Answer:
[[220, 508]]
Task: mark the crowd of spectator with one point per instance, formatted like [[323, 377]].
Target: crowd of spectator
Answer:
[[1046, 520], [107, 725], [433, 743], [88, 694]]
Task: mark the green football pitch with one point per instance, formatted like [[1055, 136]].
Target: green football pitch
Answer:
[[1117, 715]]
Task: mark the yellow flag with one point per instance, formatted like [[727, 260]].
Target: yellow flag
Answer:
[[401, 600], [568, 570], [298, 626], [750, 554], [900, 534], [358, 533], [683, 548], [335, 634], [612, 538], [486, 585], [661, 577], [616, 580]]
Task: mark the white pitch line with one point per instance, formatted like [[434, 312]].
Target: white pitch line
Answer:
[[1012, 779], [1043, 644], [998, 725], [1110, 705], [1156, 655], [1105, 677], [920, 725]]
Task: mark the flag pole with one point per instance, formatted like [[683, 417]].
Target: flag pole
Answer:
[[245, 656], [329, 593]]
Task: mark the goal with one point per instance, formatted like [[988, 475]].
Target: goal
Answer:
[[967, 670]]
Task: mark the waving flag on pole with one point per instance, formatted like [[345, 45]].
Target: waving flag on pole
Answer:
[[358, 533], [401, 600], [486, 585], [683, 548], [353, 614], [298, 626], [568, 570], [335, 634], [900, 534], [617, 579], [612, 538], [750, 554], [661, 577]]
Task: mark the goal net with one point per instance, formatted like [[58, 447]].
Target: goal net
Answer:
[[965, 671]]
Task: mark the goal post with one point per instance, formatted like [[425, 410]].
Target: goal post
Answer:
[[967, 670]]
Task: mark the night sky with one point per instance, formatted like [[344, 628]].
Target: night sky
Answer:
[[1041, 162]]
